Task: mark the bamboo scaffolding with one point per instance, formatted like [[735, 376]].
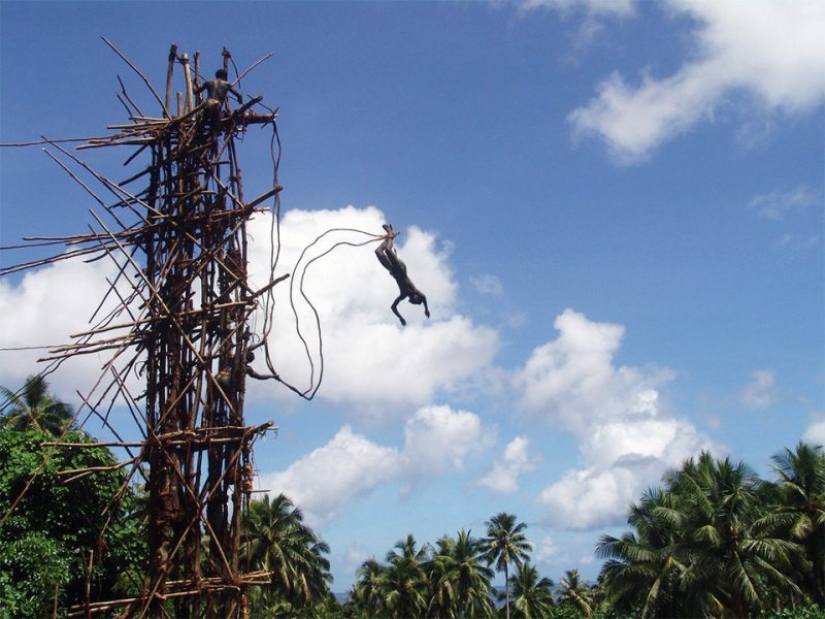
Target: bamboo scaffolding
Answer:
[[92, 445], [180, 588], [179, 241]]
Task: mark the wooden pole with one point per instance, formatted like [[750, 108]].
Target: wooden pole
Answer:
[[187, 73], [173, 54]]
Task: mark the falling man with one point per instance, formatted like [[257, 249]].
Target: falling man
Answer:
[[407, 290]]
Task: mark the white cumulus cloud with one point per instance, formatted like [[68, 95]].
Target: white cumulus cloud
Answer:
[[815, 433], [327, 479], [572, 379], [773, 52], [437, 437], [626, 437], [324, 482], [515, 462], [46, 308]]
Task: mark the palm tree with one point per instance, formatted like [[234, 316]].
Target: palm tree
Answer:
[[442, 587], [801, 509], [731, 561], [34, 408], [404, 587], [532, 595], [460, 580], [576, 593], [366, 593], [314, 577], [505, 544], [642, 567], [277, 540], [700, 549]]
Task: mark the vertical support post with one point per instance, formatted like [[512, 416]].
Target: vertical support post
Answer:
[[173, 54], [187, 73]]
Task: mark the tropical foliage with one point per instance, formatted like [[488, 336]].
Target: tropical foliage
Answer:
[[506, 543], [715, 540], [52, 529], [532, 594], [450, 579], [459, 579], [799, 511], [277, 541], [415, 581], [34, 408], [576, 593]]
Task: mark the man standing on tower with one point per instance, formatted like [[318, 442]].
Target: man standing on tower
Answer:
[[216, 91]]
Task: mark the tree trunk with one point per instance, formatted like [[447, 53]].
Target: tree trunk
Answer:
[[506, 591]]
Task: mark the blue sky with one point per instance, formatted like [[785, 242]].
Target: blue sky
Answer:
[[614, 208]]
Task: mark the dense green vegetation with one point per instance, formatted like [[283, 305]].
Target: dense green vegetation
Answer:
[[712, 540], [277, 540], [55, 524], [53, 529], [715, 540]]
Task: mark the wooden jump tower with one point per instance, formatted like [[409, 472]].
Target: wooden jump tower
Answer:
[[180, 324], [197, 341]]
